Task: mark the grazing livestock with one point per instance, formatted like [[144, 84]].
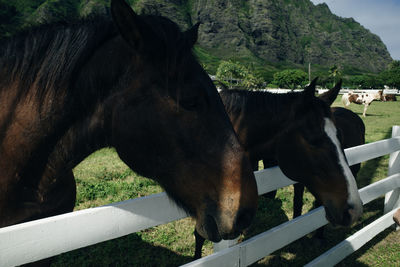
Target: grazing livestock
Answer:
[[133, 83], [296, 131], [389, 97], [360, 99]]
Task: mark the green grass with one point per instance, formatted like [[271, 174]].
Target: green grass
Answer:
[[102, 178]]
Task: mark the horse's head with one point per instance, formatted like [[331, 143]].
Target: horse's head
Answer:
[[309, 152], [168, 123]]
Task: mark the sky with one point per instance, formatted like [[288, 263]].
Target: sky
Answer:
[[381, 17]]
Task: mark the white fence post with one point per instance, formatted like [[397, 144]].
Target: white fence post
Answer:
[[392, 198]]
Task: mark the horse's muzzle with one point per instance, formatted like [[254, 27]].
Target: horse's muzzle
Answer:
[[348, 216], [211, 229], [214, 229]]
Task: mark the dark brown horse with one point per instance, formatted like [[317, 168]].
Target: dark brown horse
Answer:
[[297, 132], [131, 83], [351, 132]]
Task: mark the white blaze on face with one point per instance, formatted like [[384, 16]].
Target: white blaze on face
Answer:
[[354, 197]]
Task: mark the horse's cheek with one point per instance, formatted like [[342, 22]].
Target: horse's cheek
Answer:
[[145, 134], [292, 159], [127, 130]]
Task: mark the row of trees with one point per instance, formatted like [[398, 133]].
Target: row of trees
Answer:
[[289, 79], [389, 77], [234, 74]]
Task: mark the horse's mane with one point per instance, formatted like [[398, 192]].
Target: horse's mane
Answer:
[[253, 102], [50, 55]]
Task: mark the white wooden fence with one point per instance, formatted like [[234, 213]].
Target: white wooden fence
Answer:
[[51, 236], [341, 92]]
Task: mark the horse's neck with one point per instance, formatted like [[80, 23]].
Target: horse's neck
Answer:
[[28, 131], [271, 120], [97, 80], [83, 114], [79, 141], [278, 113]]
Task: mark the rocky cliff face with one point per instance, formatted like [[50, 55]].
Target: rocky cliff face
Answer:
[[292, 31]]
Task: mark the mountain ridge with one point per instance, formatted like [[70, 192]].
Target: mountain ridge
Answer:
[[292, 32]]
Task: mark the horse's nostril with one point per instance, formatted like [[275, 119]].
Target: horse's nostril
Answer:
[[350, 207], [210, 226], [243, 219], [354, 213], [349, 215], [347, 218]]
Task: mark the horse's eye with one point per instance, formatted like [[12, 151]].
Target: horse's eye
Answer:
[[190, 103], [316, 140]]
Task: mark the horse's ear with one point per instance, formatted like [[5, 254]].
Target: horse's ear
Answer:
[[309, 91], [192, 33], [330, 96], [131, 28]]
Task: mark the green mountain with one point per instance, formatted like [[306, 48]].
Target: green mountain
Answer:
[[269, 34]]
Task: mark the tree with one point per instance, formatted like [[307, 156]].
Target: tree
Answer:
[[235, 74], [251, 80], [357, 81], [229, 72], [325, 80], [290, 78], [9, 17], [391, 77], [395, 64], [334, 72]]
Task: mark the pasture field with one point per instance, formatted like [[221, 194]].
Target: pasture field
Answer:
[[102, 178]]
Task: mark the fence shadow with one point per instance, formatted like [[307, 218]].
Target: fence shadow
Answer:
[[308, 248], [269, 214], [129, 250], [375, 208]]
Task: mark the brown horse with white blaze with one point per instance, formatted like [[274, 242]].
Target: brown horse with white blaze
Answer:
[[297, 132], [131, 83], [301, 136]]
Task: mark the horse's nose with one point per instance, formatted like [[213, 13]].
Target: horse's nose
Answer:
[[355, 212], [351, 215], [243, 219]]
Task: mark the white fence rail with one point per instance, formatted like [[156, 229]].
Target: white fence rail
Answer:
[[341, 92], [51, 236]]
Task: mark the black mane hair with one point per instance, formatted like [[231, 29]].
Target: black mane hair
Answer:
[[51, 55], [250, 102]]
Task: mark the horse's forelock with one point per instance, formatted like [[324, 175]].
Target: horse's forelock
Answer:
[[178, 51]]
